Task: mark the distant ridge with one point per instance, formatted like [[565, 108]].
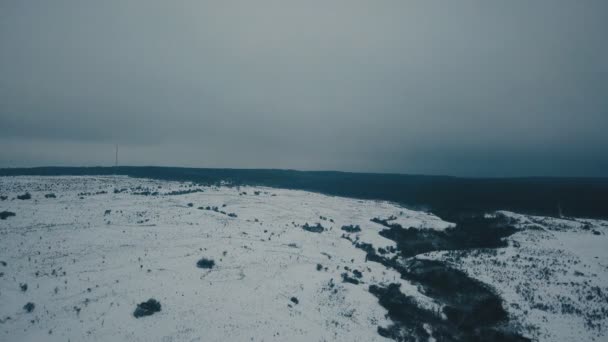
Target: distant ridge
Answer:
[[444, 195]]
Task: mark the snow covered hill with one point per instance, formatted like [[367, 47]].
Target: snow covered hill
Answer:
[[84, 251]]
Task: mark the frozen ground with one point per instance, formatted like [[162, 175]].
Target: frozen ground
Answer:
[[86, 270], [553, 276], [104, 244]]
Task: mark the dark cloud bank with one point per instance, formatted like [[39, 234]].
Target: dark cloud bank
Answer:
[[473, 88]]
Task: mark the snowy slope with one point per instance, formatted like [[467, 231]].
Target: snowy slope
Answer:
[[87, 270], [105, 244]]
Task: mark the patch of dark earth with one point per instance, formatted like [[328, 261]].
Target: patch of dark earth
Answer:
[[473, 311]]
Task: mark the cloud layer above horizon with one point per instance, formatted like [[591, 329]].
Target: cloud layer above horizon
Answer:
[[470, 88]]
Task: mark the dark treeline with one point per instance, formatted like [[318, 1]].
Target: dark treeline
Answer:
[[445, 196]]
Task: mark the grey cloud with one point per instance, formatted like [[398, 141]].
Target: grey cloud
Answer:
[[477, 88]]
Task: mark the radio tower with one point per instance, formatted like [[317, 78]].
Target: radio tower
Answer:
[[116, 161]]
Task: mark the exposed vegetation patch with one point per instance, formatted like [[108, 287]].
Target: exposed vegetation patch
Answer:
[[318, 228], [351, 229], [468, 302], [103, 192], [325, 218], [205, 263], [408, 316], [348, 279], [29, 307], [145, 193], [474, 312], [147, 308], [5, 214], [217, 210], [183, 192], [470, 232], [414, 323], [25, 196]]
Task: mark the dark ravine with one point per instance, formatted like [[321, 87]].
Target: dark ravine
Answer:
[[474, 311]]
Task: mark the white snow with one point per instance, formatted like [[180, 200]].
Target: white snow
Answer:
[[416, 219], [148, 246], [87, 270]]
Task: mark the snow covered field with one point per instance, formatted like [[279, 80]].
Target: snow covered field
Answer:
[[101, 245]]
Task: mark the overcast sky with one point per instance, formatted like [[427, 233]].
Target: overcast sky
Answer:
[[468, 88]]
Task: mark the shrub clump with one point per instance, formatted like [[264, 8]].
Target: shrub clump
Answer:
[[25, 196], [313, 229], [348, 279], [351, 229], [147, 308], [5, 214], [29, 307], [205, 263]]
